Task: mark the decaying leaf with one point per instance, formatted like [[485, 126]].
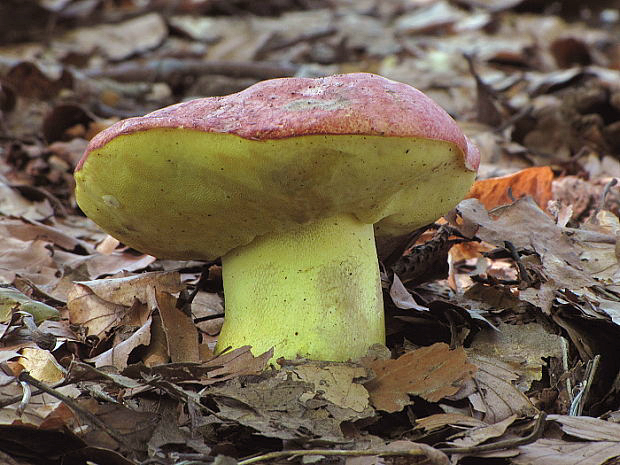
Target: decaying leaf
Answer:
[[440, 420], [181, 334], [430, 372], [118, 355], [339, 384], [522, 347], [475, 436], [589, 428], [559, 452], [42, 365], [496, 395], [103, 304], [283, 405]]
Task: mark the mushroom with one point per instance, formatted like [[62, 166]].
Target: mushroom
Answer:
[[288, 182]]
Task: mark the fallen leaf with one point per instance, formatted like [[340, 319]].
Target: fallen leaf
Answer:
[[478, 435], [559, 452], [440, 420], [430, 372], [523, 347], [592, 429], [118, 41], [280, 405], [118, 355], [42, 365], [181, 333], [12, 203], [535, 182], [337, 383], [495, 396], [103, 304], [12, 299]]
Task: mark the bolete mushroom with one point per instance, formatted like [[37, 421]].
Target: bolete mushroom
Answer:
[[288, 182]]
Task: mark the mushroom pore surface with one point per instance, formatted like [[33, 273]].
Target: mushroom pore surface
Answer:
[[186, 194]]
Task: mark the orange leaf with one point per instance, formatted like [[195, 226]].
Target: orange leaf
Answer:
[[535, 182], [432, 373]]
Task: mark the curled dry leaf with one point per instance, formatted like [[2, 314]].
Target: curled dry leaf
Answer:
[[481, 434], [560, 452], [592, 429], [102, 304], [181, 333], [234, 363], [118, 355], [430, 372], [496, 396]]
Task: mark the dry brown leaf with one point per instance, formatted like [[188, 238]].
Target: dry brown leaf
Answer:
[[535, 182], [439, 420], [157, 352], [522, 347], [31, 260], [118, 41], [430, 372], [559, 452], [235, 363], [116, 262], [475, 436], [278, 404], [103, 304], [495, 396], [29, 230], [181, 333], [336, 383], [134, 426], [118, 355], [592, 429], [12, 203]]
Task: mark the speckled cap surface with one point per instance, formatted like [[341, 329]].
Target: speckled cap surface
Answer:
[[356, 103]]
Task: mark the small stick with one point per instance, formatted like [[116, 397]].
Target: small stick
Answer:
[[164, 69], [332, 452], [25, 377]]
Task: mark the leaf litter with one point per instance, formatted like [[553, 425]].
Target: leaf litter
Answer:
[[508, 308]]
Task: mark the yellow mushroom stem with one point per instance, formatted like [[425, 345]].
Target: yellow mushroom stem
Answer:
[[313, 291]]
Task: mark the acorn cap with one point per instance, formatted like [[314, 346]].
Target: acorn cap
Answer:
[[200, 178]]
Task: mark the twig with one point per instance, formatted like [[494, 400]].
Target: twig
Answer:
[[523, 274], [165, 69], [332, 452], [581, 398], [603, 199], [25, 377]]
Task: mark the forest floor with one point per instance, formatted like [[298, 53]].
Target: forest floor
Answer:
[[502, 319]]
